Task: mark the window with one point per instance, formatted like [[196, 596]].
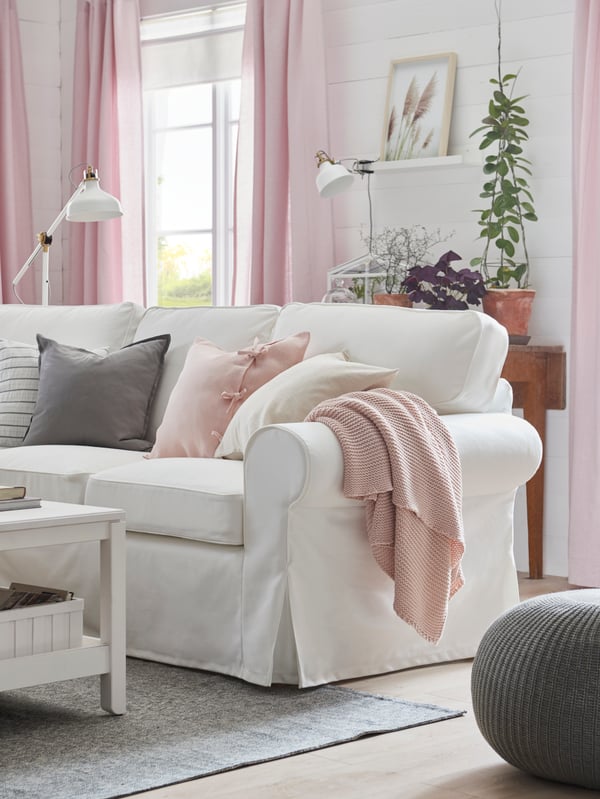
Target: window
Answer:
[[191, 65]]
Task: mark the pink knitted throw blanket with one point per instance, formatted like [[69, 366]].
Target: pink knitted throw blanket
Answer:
[[401, 460]]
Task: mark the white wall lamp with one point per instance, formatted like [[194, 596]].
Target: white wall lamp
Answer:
[[333, 177], [88, 203]]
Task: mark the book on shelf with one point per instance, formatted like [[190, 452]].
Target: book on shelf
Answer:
[[20, 595], [12, 492], [20, 504]]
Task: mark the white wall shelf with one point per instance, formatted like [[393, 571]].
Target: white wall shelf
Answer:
[[418, 163]]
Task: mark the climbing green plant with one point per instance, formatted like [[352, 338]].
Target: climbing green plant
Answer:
[[505, 260]]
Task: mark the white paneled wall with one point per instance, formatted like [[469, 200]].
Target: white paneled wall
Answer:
[[363, 37]]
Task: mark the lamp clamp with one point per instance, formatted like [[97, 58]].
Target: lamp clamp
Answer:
[[45, 240], [361, 166]]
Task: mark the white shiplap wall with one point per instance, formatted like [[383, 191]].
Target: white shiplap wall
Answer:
[[362, 38]]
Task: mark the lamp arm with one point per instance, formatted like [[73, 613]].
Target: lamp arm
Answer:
[[43, 236]]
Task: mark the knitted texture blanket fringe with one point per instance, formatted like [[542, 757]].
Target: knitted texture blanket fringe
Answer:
[[401, 460]]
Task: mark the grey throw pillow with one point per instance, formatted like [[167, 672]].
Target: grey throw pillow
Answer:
[[85, 398]]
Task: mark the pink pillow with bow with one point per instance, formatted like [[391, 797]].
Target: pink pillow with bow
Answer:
[[212, 385]]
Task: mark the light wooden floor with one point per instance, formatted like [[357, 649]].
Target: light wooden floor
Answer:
[[446, 760]]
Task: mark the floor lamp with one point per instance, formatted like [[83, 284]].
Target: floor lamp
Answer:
[[88, 203]]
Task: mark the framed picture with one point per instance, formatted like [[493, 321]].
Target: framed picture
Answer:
[[418, 107]]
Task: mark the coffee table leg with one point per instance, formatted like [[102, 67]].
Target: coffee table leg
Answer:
[[112, 617]]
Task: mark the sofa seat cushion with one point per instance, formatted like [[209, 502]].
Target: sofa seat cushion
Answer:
[[58, 472], [196, 498]]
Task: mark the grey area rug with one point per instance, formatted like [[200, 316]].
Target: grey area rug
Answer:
[[55, 741]]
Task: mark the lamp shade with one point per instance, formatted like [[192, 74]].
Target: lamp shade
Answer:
[[332, 179], [93, 204]]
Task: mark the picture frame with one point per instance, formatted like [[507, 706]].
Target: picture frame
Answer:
[[418, 107]]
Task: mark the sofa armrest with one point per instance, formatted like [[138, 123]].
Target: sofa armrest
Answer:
[[284, 465], [503, 398], [303, 539], [498, 452], [305, 457]]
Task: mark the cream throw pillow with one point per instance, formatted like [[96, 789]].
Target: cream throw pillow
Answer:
[[291, 395]]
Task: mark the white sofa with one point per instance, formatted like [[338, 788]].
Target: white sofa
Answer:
[[261, 568]]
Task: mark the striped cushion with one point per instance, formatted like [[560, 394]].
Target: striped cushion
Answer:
[[19, 378]]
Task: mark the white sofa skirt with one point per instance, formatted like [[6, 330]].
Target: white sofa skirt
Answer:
[[325, 615]]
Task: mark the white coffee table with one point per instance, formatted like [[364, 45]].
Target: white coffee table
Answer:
[[61, 523]]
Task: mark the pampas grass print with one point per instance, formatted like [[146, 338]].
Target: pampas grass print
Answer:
[[407, 137]]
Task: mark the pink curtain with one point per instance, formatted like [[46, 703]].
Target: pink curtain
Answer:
[[16, 225], [584, 399], [107, 258], [283, 231]]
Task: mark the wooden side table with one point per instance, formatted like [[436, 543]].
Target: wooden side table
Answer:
[[537, 374]]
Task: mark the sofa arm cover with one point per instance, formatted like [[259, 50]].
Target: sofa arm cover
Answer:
[[503, 398], [293, 478], [498, 452]]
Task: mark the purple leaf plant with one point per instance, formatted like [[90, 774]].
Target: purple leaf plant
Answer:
[[443, 287]]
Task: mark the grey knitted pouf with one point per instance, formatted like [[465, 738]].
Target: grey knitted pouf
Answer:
[[536, 687]]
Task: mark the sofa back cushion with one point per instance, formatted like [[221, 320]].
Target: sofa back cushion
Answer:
[[88, 326], [452, 359], [228, 328]]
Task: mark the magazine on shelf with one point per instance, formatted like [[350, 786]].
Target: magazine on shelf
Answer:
[[16, 504], [12, 492], [20, 595]]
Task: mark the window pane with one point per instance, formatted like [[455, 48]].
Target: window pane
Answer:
[[233, 139], [184, 270], [184, 178], [191, 103], [198, 21], [184, 105], [234, 105]]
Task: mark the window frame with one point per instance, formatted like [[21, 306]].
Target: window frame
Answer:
[[224, 153]]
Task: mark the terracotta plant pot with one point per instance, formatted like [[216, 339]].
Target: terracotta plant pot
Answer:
[[399, 300], [512, 308]]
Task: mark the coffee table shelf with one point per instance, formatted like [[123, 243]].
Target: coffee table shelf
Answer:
[[62, 523]]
